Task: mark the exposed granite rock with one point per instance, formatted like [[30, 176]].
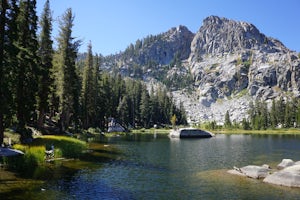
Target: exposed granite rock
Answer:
[[229, 56], [200, 109], [252, 171], [288, 174], [231, 63], [285, 163], [222, 36]]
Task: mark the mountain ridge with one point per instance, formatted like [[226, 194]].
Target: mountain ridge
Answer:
[[223, 60]]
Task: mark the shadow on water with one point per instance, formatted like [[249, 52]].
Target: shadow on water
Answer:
[[144, 166], [33, 182]]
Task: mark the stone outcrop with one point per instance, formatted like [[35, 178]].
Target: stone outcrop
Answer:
[[252, 171], [226, 59], [219, 36], [289, 176], [285, 163], [164, 49], [287, 173]]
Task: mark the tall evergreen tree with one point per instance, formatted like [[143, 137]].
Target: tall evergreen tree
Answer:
[[123, 111], [273, 115], [264, 115], [96, 98], [88, 89], [3, 23], [68, 80], [298, 113], [27, 62], [227, 122], [11, 62], [145, 108], [280, 107], [46, 56]]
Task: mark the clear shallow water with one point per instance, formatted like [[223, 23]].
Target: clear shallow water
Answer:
[[163, 168]]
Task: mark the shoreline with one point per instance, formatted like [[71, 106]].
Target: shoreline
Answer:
[[291, 131]]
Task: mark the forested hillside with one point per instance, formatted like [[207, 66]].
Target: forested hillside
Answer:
[[51, 89]]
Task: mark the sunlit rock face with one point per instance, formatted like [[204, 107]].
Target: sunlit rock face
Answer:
[[231, 63]]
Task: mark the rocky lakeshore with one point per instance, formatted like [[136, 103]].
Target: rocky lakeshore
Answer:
[[287, 173]]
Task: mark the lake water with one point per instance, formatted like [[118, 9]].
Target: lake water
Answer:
[[162, 168]]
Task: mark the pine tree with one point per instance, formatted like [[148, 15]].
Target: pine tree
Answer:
[[273, 115], [294, 107], [227, 122], [96, 80], [67, 78], [181, 114], [3, 24], [88, 89], [11, 62], [123, 111], [155, 108], [27, 63], [264, 115], [280, 108], [298, 113], [46, 56], [145, 108]]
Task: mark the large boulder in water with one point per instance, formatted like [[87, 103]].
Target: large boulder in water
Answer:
[[289, 176], [252, 171], [285, 163]]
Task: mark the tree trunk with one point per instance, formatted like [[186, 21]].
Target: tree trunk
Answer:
[[41, 118]]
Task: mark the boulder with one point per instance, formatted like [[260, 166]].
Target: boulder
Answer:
[[285, 163], [289, 176], [287, 173], [252, 171]]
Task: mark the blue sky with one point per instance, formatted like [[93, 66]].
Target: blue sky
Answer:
[[111, 25]]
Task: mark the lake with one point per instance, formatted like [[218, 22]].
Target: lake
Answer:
[[162, 168]]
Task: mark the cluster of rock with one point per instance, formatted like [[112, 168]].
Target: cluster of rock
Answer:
[[286, 174], [226, 58], [199, 109], [164, 49]]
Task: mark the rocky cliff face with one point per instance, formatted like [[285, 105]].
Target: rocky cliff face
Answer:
[[220, 35], [231, 64], [164, 48], [228, 57]]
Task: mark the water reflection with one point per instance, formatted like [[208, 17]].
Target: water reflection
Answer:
[[149, 167]]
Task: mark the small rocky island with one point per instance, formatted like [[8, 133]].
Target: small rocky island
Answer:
[[286, 174]]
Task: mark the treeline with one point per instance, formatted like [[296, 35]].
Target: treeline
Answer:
[[283, 113], [40, 85]]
